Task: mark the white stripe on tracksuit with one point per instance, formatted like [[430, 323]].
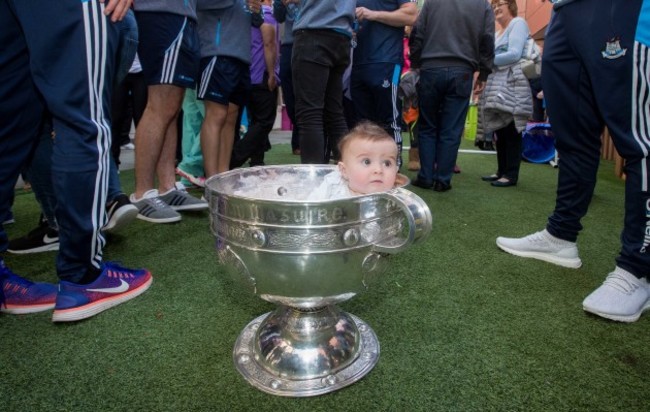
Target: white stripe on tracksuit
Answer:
[[640, 106], [96, 40]]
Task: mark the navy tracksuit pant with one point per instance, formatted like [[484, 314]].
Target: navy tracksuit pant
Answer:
[[596, 72], [60, 55]]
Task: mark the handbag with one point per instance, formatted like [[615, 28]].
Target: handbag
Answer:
[[531, 60]]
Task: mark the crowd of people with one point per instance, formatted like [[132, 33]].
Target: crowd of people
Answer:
[[337, 64]]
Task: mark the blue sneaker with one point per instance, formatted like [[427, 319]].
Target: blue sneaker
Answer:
[[20, 296], [114, 285]]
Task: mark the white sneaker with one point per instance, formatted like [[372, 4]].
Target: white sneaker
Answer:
[[622, 297], [543, 246]]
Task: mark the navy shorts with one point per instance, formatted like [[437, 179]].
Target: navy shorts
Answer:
[[224, 80], [169, 49]]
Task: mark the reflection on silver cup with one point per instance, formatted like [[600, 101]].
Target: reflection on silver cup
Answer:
[[306, 257]]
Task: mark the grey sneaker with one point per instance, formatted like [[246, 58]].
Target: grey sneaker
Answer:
[[154, 210], [622, 297], [179, 199], [543, 246]]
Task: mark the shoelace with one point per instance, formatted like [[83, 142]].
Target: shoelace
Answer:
[[620, 283], [538, 238], [159, 203]]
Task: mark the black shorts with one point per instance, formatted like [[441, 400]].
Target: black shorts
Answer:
[[224, 80], [169, 49]]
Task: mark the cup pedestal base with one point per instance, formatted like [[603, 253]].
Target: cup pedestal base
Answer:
[[298, 353]]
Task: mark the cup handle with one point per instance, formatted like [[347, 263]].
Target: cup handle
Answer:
[[418, 217]]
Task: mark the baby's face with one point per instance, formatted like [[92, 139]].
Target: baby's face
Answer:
[[369, 167]]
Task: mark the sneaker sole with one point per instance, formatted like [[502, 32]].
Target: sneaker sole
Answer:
[[187, 208], [121, 218], [564, 262], [44, 248], [159, 220], [92, 309], [25, 310], [192, 179], [619, 318]]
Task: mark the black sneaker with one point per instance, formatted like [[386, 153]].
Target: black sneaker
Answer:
[[421, 184], [441, 187], [120, 213], [41, 239]]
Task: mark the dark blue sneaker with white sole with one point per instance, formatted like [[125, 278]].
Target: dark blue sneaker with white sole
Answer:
[[114, 285], [20, 296]]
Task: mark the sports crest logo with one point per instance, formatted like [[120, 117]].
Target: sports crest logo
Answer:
[[613, 49]]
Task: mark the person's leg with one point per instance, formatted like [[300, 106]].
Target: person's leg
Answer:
[[288, 96], [166, 166], [318, 62], [430, 97], [501, 152], [21, 111], [45, 237], [577, 127], [227, 139], [577, 70], [156, 137], [80, 108], [156, 134], [119, 109], [361, 93], [267, 119], [624, 104], [333, 113], [510, 159], [40, 172], [119, 209], [310, 82], [213, 125], [192, 163], [374, 93], [225, 85], [452, 115], [138, 88], [262, 106], [169, 54]]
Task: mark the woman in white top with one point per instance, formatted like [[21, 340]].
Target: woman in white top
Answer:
[[506, 103]]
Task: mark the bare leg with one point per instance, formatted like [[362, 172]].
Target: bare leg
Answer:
[[163, 104], [165, 168], [227, 139], [213, 124]]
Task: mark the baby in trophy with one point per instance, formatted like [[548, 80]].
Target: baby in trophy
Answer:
[[368, 164]]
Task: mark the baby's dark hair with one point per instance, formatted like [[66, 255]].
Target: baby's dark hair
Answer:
[[366, 130]]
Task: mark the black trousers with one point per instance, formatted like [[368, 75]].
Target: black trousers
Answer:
[[262, 109], [319, 59], [508, 152]]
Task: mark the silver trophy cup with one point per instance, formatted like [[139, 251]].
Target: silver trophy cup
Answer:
[[306, 257]]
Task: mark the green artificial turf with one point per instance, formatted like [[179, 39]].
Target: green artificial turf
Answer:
[[462, 325]]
